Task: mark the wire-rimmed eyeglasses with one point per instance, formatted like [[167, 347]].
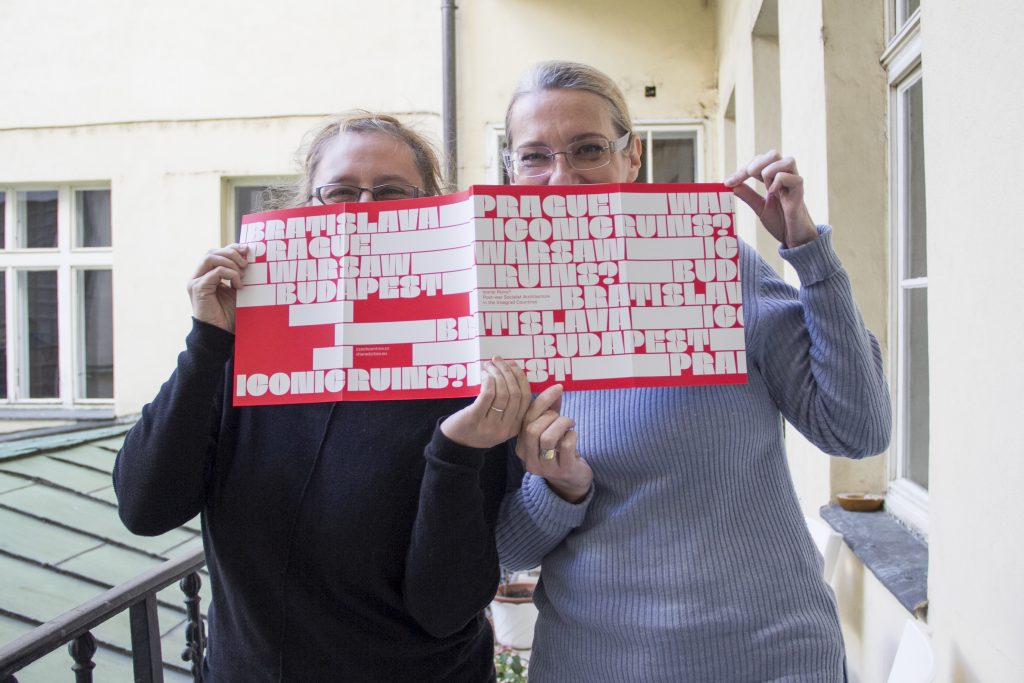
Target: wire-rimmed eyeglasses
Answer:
[[338, 193], [583, 155]]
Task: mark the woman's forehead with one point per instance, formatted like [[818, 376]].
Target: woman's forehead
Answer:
[[368, 154], [559, 113]]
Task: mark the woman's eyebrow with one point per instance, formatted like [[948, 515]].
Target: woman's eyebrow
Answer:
[[377, 180], [578, 136], [584, 136], [391, 178]]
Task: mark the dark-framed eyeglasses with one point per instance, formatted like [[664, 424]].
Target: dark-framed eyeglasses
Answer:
[[338, 193], [583, 155]]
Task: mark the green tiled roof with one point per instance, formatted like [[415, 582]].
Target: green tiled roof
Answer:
[[62, 543]]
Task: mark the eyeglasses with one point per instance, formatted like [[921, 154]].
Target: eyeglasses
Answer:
[[337, 193], [582, 155]]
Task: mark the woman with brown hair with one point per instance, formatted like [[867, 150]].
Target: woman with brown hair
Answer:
[[329, 549]]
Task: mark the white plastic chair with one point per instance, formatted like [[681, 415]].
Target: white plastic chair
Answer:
[[914, 662], [828, 542]]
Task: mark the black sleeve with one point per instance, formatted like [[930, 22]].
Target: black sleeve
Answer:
[[162, 470], [452, 567]]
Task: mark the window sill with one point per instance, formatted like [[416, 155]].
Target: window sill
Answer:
[[897, 557]]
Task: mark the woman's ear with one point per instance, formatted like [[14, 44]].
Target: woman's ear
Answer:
[[635, 150]]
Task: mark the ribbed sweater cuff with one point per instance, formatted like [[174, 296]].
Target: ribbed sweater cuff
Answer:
[[548, 509], [814, 261]]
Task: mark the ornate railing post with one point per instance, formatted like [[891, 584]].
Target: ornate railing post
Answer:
[[195, 636], [137, 596], [147, 659], [82, 649]]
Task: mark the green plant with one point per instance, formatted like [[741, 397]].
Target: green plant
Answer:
[[510, 666]]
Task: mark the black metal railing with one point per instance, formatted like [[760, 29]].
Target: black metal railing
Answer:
[[138, 596]]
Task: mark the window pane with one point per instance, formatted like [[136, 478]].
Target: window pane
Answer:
[[502, 143], [41, 313], [671, 156], [3, 334], [673, 160], [248, 199], [37, 219], [97, 311], [3, 219], [916, 247], [904, 9], [916, 378], [92, 218]]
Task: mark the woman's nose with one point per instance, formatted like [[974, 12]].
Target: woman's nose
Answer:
[[562, 173]]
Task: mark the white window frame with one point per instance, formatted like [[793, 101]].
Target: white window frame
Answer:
[[228, 227], [902, 61], [647, 129], [897, 9], [66, 259]]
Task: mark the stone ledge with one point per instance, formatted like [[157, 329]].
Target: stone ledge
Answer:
[[897, 557]]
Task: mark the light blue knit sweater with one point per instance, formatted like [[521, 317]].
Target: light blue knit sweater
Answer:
[[690, 559]]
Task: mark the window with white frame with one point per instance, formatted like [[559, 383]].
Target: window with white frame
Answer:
[[246, 199], [908, 488], [247, 195], [903, 11], [671, 153], [56, 296]]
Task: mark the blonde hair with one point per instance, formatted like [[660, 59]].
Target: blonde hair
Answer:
[[310, 154], [557, 75]]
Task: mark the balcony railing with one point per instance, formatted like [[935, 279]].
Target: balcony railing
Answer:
[[138, 596]]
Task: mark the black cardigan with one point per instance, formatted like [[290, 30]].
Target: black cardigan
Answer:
[[347, 541]]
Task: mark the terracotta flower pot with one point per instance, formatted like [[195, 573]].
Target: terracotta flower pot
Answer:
[[514, 615]]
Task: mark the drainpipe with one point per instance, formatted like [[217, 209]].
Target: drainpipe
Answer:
[[450, 132]]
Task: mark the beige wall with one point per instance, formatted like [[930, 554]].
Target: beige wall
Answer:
[[189, 93], [99, 60], [829, 114], [184, 95], [665, 43], [855, 104], [166, 185], [833, 120], [974, 106]]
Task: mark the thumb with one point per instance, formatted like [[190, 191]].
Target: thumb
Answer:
[[750, 197]]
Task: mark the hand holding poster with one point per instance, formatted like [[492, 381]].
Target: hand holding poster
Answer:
[[591, 286]]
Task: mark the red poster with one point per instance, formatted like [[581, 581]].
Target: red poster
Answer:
[[590, 286]]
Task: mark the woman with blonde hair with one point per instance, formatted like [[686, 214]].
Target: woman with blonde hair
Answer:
[[328, 542], [671, 541]]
